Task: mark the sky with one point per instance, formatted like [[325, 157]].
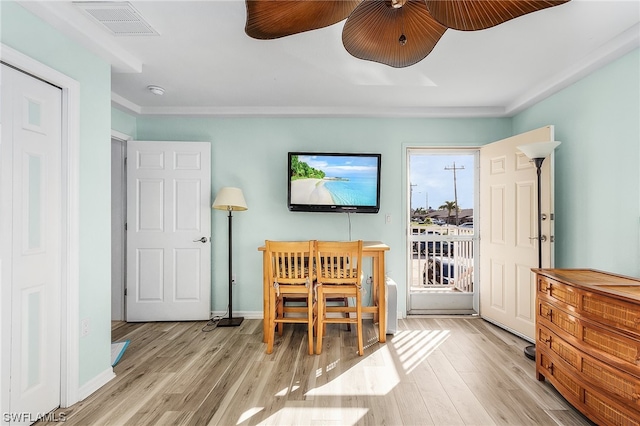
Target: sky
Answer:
[[432, 183], [342, 165]]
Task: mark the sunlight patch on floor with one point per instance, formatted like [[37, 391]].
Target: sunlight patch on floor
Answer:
[[248, 414], [373, 374], [298, 415], [414, 346]]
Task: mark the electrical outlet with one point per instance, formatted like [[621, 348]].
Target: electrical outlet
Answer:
[[84, 327]]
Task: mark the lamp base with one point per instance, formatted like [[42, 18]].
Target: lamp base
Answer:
[[230, 322], [530, 352]]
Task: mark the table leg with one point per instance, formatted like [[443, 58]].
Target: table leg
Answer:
[[265, 298], [382, 297]]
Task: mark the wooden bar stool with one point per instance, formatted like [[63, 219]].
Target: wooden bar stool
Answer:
[[338, 274], [292, 275]]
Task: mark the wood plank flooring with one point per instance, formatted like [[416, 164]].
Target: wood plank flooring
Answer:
[[434, 371]]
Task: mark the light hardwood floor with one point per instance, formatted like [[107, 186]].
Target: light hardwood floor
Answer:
[[434, 371]]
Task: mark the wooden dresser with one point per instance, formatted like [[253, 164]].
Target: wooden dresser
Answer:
[[588, 341]]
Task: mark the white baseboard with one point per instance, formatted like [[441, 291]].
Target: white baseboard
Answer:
[[96, 383]]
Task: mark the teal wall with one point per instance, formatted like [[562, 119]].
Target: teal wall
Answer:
[[123, 123], [27, 34], [597, 169], [251, 153]]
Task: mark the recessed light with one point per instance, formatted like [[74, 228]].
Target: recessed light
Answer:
[[156, 90]]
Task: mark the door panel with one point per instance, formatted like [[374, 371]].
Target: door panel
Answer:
[[31, 139], [169, 212], [508, 204]]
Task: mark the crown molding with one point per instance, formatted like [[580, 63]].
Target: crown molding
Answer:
[[302, 112], [617, 47]]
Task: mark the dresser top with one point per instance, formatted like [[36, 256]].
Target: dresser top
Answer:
[[598, 281]]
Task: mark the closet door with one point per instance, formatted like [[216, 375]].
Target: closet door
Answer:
[[30, 207]]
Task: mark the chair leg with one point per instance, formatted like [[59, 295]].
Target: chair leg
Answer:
[[346, 314], [359, 318], [280, 315], [319, 320], [310, 322], [272, 324]]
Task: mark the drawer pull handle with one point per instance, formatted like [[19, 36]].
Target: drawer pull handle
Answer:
[[548, 341], [635, 396], [549, 313], [550, 368]]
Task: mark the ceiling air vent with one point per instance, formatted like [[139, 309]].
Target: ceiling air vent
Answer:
[[120, 18]]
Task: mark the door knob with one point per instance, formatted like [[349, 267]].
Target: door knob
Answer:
[[202, 240]]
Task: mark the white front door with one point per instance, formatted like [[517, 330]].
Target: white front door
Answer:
[[30, 262], [508, 226], [168, 231]]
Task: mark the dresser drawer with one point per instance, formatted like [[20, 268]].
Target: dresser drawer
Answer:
[[559, 292], [613, 312], [618, 349], [609, 380], [600, 407]]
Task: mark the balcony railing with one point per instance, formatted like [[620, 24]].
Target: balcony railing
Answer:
[[442, 258]]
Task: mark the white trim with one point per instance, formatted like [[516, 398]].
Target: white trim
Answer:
[[609, 52], [606, 54], [70, 362], [96, 383], [120, 136]]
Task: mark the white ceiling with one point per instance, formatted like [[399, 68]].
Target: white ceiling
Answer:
[[209, 66]]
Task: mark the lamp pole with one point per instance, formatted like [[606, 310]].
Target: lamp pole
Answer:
[[530, 351], [537, 152]]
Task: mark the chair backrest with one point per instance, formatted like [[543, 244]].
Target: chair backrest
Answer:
[[290, 262], [339, 262]]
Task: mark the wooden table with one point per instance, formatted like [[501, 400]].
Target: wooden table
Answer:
[[372, 249]]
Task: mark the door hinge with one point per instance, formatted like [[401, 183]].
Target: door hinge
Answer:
[[552, 239], [125, 291], [551, 215], [125, 226], [125, 161]]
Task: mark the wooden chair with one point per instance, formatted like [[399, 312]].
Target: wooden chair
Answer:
[[292, 275], [338, 274]]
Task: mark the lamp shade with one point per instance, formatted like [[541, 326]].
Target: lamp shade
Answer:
[[230, 198], [539, 149]]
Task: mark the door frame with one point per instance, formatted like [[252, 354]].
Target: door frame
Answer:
[[122, 138], [456, 307], [70, 256]]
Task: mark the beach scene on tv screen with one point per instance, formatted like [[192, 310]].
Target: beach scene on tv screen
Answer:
[[334, 180]]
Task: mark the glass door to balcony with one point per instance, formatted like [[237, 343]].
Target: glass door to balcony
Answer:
[[441, 237]]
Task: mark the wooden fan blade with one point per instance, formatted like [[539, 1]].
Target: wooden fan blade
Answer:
[[373, 30], [471, 15], [268, 19]]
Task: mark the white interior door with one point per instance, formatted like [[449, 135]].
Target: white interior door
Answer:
[[508, 222], [30, 184], [168, 231]]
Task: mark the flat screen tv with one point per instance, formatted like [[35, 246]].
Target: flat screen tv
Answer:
[[334, 182]]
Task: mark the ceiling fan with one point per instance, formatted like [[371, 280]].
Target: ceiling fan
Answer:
[[398, 33]]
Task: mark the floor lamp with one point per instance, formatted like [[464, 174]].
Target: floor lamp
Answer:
[[230, 199], [537, 152]]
